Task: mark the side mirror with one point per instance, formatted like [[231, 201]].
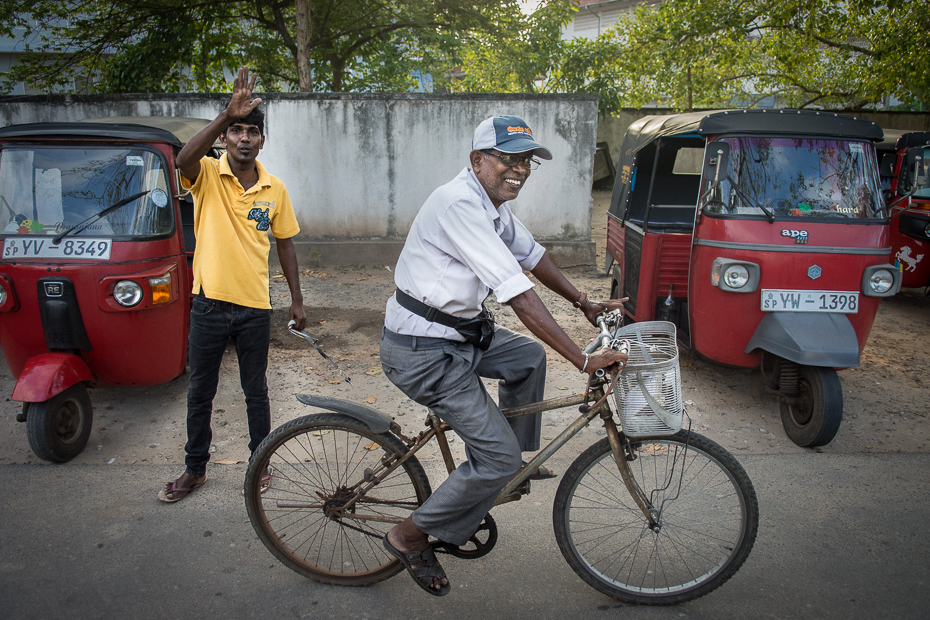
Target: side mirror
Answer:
[[887, 166], [716, 160], [916, 168]]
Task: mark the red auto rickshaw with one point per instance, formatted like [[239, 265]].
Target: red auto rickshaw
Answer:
[[763, 235], [95, 268], [904, 156]]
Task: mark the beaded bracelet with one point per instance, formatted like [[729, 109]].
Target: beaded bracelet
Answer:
[[581, 301]]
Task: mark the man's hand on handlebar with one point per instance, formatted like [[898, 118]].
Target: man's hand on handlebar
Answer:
[[608, 359], [593, 308]]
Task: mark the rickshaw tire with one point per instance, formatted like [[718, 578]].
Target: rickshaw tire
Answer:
[[818, 425], [58, 429]]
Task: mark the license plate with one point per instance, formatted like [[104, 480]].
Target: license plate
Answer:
[[82, 248], [779, 300]]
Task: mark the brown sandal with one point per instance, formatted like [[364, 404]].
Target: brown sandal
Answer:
[[178, 492], [542, 473]]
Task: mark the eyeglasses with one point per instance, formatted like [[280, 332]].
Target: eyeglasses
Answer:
[[509, 159]]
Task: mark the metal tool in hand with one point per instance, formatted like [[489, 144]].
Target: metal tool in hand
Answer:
[[314, 341]]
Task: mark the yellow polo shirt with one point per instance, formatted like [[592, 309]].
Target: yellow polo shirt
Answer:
[[231, 225]]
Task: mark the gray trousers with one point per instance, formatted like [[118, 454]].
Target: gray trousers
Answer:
[[446, 377]]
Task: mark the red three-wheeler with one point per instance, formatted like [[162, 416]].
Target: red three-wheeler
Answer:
[[763, 235], [95, 267], [904, 156]]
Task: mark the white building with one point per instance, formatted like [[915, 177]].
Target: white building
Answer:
[[596, 16]]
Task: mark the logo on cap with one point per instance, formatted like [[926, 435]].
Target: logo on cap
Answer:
[[525, 130]]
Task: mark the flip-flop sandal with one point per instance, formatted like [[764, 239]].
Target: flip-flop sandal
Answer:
[[423, 576], [542, 473], [265, 482], [178, 492]]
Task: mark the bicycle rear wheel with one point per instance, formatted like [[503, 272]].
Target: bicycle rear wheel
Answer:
[[708, 518], [319, 462]]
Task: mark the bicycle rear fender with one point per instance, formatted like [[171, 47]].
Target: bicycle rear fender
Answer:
[[372, 418], [807, 338]]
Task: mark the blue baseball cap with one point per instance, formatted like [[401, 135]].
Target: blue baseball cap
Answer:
[[507, 134]]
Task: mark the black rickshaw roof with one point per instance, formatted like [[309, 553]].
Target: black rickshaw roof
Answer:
[[897, 139], [757, 121], [173, 130]]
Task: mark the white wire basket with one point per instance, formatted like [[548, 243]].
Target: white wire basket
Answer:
[[648, 392]]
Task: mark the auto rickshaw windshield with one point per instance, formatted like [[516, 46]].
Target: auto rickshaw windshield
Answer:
[[801, 177], [49, 190]]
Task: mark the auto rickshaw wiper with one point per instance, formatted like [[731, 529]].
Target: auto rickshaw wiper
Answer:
[[116, 205], [743, 197]]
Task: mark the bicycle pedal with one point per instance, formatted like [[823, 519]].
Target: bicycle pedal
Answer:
[[522, 489]]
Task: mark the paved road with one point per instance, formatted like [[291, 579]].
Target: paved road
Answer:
[[841, 536]]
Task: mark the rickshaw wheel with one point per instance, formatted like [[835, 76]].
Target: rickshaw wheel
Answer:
[[58, 428], [815, 420]]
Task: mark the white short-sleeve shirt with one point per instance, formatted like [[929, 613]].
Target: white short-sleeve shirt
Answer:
[[458, 251]]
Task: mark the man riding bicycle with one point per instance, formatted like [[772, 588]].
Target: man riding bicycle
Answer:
[[439, 342]]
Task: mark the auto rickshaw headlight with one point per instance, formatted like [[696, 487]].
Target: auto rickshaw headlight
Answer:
[[127, 293], [927, 230], [161, 289], [3, 295], [881, 281], [736, 276]]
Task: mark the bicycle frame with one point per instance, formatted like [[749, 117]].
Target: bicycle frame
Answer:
[[511, 491]]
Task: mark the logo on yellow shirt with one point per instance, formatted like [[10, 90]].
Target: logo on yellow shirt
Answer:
[[261, 217]]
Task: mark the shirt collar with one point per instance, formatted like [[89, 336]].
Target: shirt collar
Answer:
[[264, 179], [499, 215]]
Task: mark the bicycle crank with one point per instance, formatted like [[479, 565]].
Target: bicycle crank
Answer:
[[475, 548]]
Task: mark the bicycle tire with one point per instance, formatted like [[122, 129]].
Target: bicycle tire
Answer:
[[314, 458], [709, 517]]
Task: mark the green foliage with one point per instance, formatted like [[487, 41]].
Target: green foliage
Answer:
[[137, 46], [169, 45], [517, 55], [688, 54]]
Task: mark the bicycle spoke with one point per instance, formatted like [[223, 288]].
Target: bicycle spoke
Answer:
[[707, 516], [314, 517]]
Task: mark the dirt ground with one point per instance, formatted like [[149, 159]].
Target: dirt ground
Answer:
[[886, 406]]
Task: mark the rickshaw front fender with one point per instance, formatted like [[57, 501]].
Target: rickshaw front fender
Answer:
[[48, 375], [372, 418], [809, 339]]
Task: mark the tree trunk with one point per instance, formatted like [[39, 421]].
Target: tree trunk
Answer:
[[690, 93], [304, 76]]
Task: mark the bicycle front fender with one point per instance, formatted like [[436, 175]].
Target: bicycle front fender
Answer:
[[372, 418]]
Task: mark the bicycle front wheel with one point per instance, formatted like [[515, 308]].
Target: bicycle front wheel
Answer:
[[708, 516], [319, 463]]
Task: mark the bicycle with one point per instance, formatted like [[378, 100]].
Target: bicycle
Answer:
[[651, 514]]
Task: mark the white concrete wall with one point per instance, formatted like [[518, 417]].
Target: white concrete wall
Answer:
[[358, 167]]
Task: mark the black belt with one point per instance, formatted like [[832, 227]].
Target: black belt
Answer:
[[478, 330]]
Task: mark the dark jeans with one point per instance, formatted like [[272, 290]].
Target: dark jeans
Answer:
[[213, 323]]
